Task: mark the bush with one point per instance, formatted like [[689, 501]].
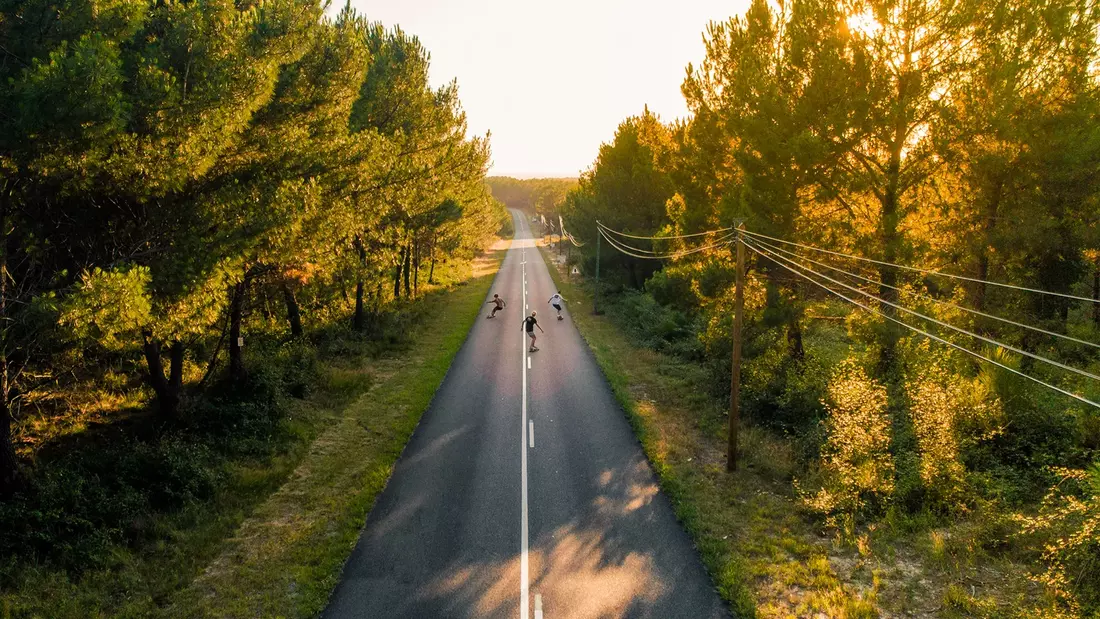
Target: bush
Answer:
[[942, 405], [102, 494], [656, 326], [857, 470], [1068, 522]]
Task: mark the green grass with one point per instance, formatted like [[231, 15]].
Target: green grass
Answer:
[[766, 556], [274, 538]]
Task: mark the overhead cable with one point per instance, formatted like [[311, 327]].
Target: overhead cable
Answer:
[[661, 238], [930, 335], [726, 240], [776, 257], [566, 233], [929, 298], [924, 271]]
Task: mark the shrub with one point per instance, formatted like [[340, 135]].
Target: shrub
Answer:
[[856, 470], [941, 404], [1069, 519]]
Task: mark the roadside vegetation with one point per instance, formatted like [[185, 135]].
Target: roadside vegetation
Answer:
[[539, 196], [886, 472], [768, 554], [221, 222]]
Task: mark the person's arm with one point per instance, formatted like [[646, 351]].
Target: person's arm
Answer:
[[540, 327]]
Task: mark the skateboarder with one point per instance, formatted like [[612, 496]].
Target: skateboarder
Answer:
[[497, 303], [556, 301], [530, 323]]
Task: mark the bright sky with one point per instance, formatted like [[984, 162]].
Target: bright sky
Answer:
[[552, 80]]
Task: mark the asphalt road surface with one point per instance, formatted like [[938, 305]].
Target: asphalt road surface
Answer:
[[523, 492]]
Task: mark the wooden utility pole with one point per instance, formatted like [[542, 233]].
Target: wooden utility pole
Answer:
[[596, 295], [1096, 292], [735, 371]]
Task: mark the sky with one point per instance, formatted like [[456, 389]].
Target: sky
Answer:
[[552, 80]]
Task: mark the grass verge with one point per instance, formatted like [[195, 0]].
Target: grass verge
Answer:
[[286, 557], [287, 509], [765, 556]]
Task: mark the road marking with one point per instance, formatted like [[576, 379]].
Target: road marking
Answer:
[[524, 577], [528, 363], [538, 606], [531, 426]]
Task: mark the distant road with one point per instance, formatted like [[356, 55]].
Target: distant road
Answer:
[[523, 492]]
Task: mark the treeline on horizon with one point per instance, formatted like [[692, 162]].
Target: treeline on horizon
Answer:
[[535, 195], [189, 191], [950, 135]]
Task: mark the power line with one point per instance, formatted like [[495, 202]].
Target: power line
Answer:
[[930, 298], [626, 249], [930, 335], [622, 246], [941, 323], [924, 271], [631, 251], [660, 238], [566, 233]]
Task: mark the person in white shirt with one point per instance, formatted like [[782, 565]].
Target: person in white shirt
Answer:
[[556, 301]]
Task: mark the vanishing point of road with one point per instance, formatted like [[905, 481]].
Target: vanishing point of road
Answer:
[[523, 490]]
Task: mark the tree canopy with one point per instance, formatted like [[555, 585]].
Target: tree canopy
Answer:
[[166, 165]]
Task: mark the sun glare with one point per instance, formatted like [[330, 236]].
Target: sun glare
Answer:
[[864, 23]]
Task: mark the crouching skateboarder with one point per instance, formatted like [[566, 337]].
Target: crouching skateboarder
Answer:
[[530, 323], [497, 303]]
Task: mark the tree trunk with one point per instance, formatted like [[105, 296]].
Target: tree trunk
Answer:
[[889, 224], [431, 257], [358, 320], [167, 397], [293, 312], [416, 268], [175, 368], [236, 311], [397, 276], [408, 267], [10, 475], [989, 221], [633, 275], [794, 339]]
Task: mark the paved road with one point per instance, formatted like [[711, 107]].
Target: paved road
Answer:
[[523, 491]]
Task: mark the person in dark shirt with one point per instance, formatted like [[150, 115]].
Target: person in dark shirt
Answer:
[[530, 323], [497, 303]]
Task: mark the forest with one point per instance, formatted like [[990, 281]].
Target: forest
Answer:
[[919, 185], [199, 200], [541, 196]]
